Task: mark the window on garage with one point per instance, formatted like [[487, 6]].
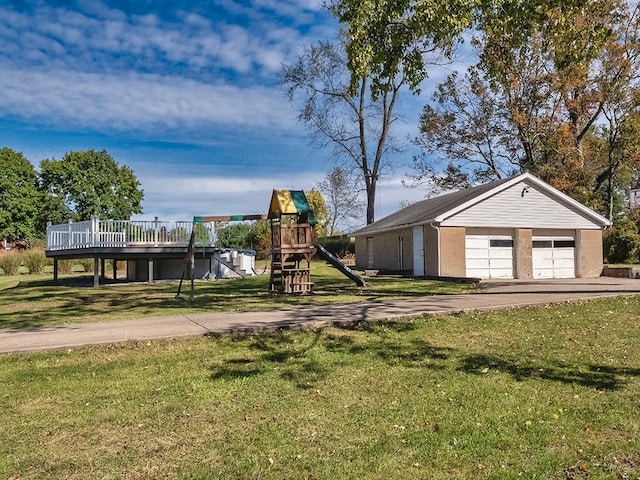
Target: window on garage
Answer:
[[496, 243]]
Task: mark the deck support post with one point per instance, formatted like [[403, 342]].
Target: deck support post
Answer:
[[96, 273], [150, 270], [55, 269], [115, 269], [102, 273]]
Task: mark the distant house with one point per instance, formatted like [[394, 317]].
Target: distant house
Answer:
[[519, 227], [7, 247]]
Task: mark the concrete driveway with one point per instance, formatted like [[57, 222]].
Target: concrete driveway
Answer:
[[494, 295]]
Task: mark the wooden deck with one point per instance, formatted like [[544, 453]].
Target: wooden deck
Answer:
[[152, 249], [96, 233]]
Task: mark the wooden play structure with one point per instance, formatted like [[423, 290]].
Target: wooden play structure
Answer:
[[292, 242]]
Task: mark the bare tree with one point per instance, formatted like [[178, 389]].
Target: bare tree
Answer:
[[341, 197], [357, 125], [467, 126]]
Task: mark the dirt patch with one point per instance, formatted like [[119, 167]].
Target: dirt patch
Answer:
[[627, 463]]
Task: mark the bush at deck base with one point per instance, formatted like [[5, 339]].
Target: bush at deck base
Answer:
[[35, 261], [10, 263]]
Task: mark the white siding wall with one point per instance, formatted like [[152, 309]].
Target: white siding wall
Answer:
[[521, 206]]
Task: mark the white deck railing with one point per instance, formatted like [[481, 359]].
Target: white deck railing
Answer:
[[126, 233]]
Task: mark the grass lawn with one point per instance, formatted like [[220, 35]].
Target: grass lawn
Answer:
[[545, 392], [33, 301]]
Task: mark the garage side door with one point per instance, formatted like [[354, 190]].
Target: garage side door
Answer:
[[418, 252], [369, 242], [554, 257], [489, 256]]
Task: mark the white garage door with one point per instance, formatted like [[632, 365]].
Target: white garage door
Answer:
[[489, 256], [554, 257]]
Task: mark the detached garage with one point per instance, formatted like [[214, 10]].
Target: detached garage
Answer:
[[519, 227]]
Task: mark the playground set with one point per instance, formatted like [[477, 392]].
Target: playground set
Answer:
[[155, 250], [293, 244]]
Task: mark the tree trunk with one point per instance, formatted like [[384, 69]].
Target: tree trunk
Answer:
[[371, 200]]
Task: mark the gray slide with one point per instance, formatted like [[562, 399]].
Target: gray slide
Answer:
[[333, 260]]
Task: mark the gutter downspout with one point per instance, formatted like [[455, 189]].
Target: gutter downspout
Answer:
[[437, 229]]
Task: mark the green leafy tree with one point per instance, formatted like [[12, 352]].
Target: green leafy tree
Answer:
[[19, 197], [234, 235], [202, 235], [467, 126], [251, 236], [622, 243], [555, 93], [319, 207], [91, 183], [386, 38], [559, 66], [260, 238], [351, 89], [52, 209]]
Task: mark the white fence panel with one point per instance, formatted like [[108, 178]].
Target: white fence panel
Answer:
[[125, 233]]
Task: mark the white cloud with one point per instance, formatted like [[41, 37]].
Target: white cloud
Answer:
[[105, 69], [181, 72], [100, 38], [259, 11], [138, 101], [97, 8], [185, 197]]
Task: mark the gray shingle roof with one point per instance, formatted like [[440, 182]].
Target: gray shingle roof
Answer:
[[426, 210]]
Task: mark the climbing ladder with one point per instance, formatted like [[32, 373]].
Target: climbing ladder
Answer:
[[291, 252]]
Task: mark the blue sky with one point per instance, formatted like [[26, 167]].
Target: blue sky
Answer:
[[185, 93]]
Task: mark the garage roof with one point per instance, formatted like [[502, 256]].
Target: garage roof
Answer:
[[438, 209]]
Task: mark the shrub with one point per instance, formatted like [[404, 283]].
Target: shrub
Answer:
[[87, 264], [10, 263], [622, 245], [65, 266], [122, 268], [38, 244], [260, 238], [338, 245], [35, 261]]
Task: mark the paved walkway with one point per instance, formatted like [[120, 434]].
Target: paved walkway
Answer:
[[497, 295]]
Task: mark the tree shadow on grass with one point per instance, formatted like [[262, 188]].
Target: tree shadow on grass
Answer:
[[305, 365], [306, 361], [391, 342], [39, 303], [593, 376], [278, 353]]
